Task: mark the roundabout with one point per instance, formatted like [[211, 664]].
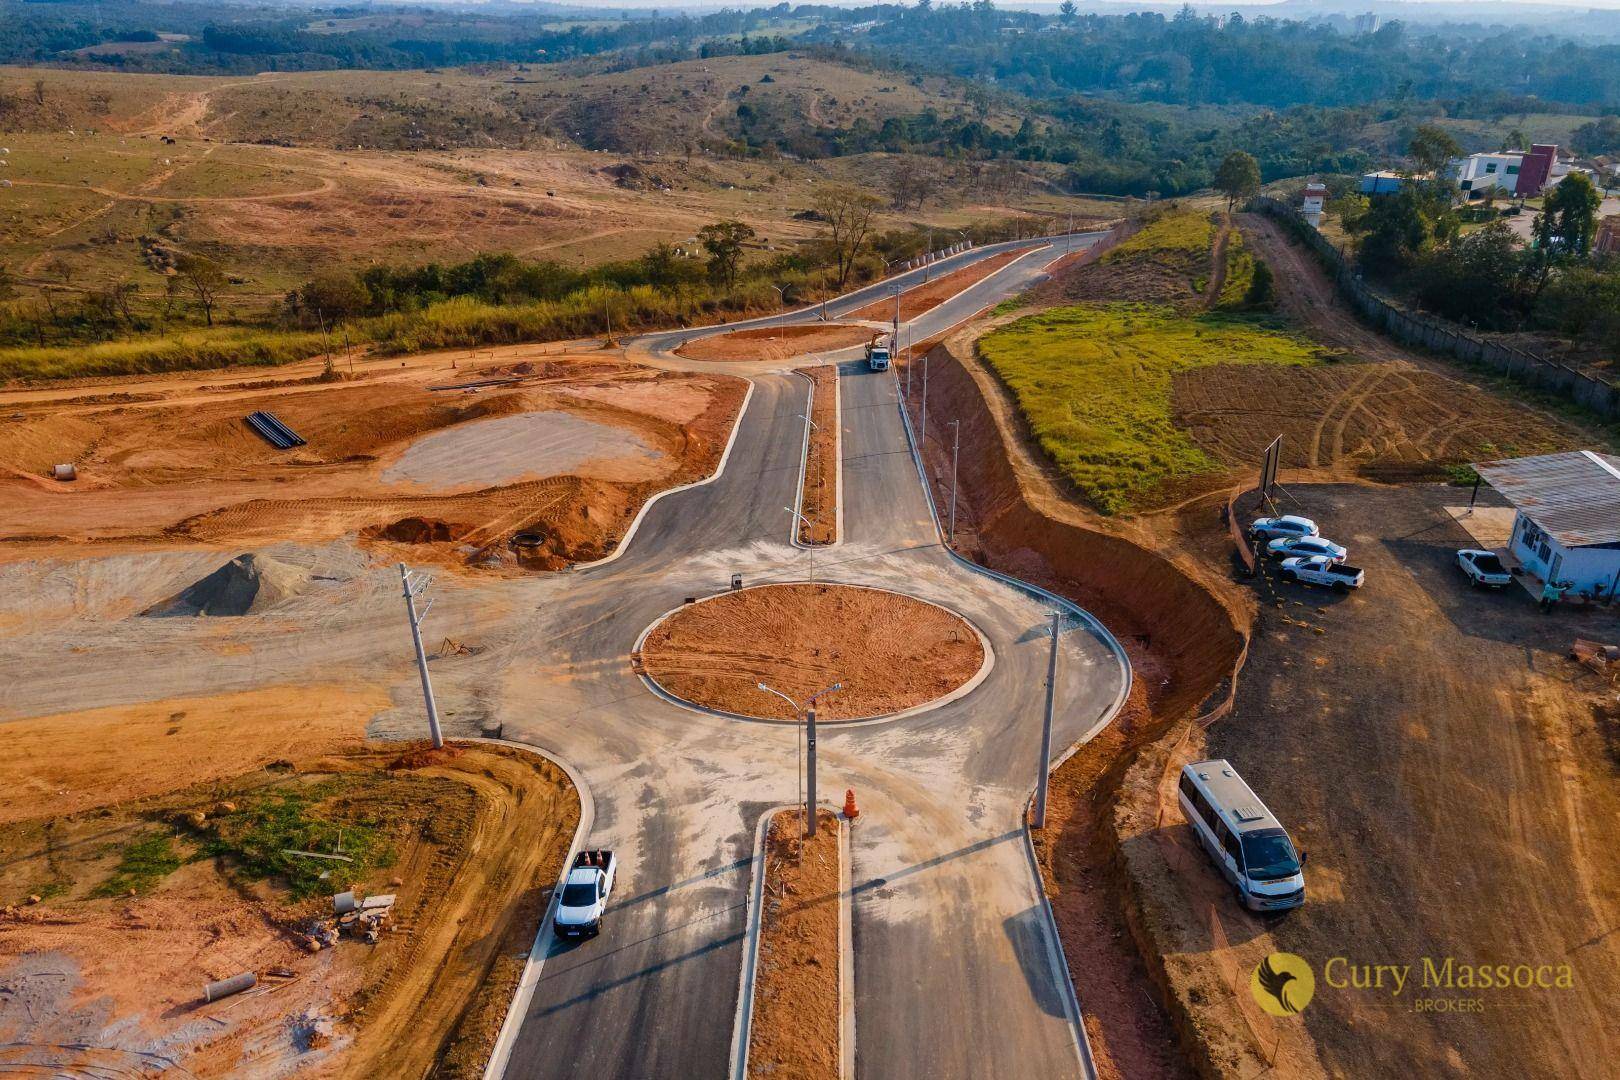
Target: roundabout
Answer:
[[893, 654]]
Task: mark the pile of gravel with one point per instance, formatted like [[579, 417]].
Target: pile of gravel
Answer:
[[246, 585]]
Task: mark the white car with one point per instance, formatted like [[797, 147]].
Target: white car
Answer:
[[585, 894], [1289, 526], [1287, 547], [1483, 569]]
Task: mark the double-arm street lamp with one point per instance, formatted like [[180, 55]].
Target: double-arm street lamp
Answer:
[[808, 711]]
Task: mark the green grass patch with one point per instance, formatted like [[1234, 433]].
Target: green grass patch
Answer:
[[223, 347], [1094, 384], [1239, 273], [254, 838], [147, 860], [1178, 232]]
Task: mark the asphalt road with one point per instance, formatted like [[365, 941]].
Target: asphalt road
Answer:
[[956, 972]]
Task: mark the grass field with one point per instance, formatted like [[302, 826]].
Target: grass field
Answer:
[[1094, 384]]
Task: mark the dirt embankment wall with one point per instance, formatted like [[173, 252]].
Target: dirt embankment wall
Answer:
[[1186, 645], [1145, 599]]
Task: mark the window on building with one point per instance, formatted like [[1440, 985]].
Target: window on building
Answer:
[[1512, 170], [1545, 551], [1490, 168]]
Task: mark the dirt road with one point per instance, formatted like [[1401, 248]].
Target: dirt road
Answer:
[[1453, 777]]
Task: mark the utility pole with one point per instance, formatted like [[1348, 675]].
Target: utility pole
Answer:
[[956, 454], [1046, 726], [413, 589], [897, 291]]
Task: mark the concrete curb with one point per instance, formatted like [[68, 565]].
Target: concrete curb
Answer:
[[501, 1054], [743, 1024], [838, 464], [966, 688], [846, 949], [1054, 955], [731, 440]]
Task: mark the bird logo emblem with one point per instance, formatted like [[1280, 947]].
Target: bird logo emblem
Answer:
[[1283, 984]]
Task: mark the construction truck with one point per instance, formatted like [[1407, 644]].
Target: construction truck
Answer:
[[879, 352]]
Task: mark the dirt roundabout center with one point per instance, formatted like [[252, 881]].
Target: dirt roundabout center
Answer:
[[890, 652]]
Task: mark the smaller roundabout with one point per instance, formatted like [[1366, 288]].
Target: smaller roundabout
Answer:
[[893, 654]]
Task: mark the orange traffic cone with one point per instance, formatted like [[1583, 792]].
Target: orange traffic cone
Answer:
[[850, 810]]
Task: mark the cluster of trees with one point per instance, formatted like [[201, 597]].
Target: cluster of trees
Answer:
[[1488, 278], [1192, 59]]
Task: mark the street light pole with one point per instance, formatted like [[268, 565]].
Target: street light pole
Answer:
[[956, 454], [1046, 726], [897, 291], [809, 767], [922, 443], [413, 589]]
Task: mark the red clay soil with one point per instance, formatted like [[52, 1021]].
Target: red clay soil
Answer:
[[794, 1032], [914, 302], [820, 506], [774, 342], [891, 652]]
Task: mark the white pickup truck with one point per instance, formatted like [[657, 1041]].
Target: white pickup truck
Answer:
[[1321, 570], [585, 894]]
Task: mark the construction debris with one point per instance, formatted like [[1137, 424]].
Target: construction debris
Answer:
[[316, 855], [226, 987], [273, 430], [363, 919], [1599, 657], [64, 472]]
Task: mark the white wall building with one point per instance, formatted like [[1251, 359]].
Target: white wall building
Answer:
[[1567, 522], [1478, 172], [1313, 202]]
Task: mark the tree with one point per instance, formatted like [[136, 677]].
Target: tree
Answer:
[[1262, 289], [1568, 218], [333, 297], [1238, 177], [1433, 149], [39, 91], [1067, 11], [1478, 279], [911, 182], [205, 280], [724, 242], [848, 213], [1401, 228], [661, 266], [1515, 141], [8, 283]]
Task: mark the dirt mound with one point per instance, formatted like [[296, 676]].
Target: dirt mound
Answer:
[[246, 585], [891, 652], [420, 530]]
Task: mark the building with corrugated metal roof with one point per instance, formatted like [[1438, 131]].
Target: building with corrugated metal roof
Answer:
[[1566, 525]]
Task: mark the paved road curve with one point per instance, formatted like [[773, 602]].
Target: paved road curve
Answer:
[[955, 970]]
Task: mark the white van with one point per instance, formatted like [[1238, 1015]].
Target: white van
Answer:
[[1246, 841]]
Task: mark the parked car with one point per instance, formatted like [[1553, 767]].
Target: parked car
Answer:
[[1286, 547], [1321, 570], [585, 894], [1289, 525], [1483, 569]]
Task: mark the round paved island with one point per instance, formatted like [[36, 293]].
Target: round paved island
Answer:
[[891, 652]]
